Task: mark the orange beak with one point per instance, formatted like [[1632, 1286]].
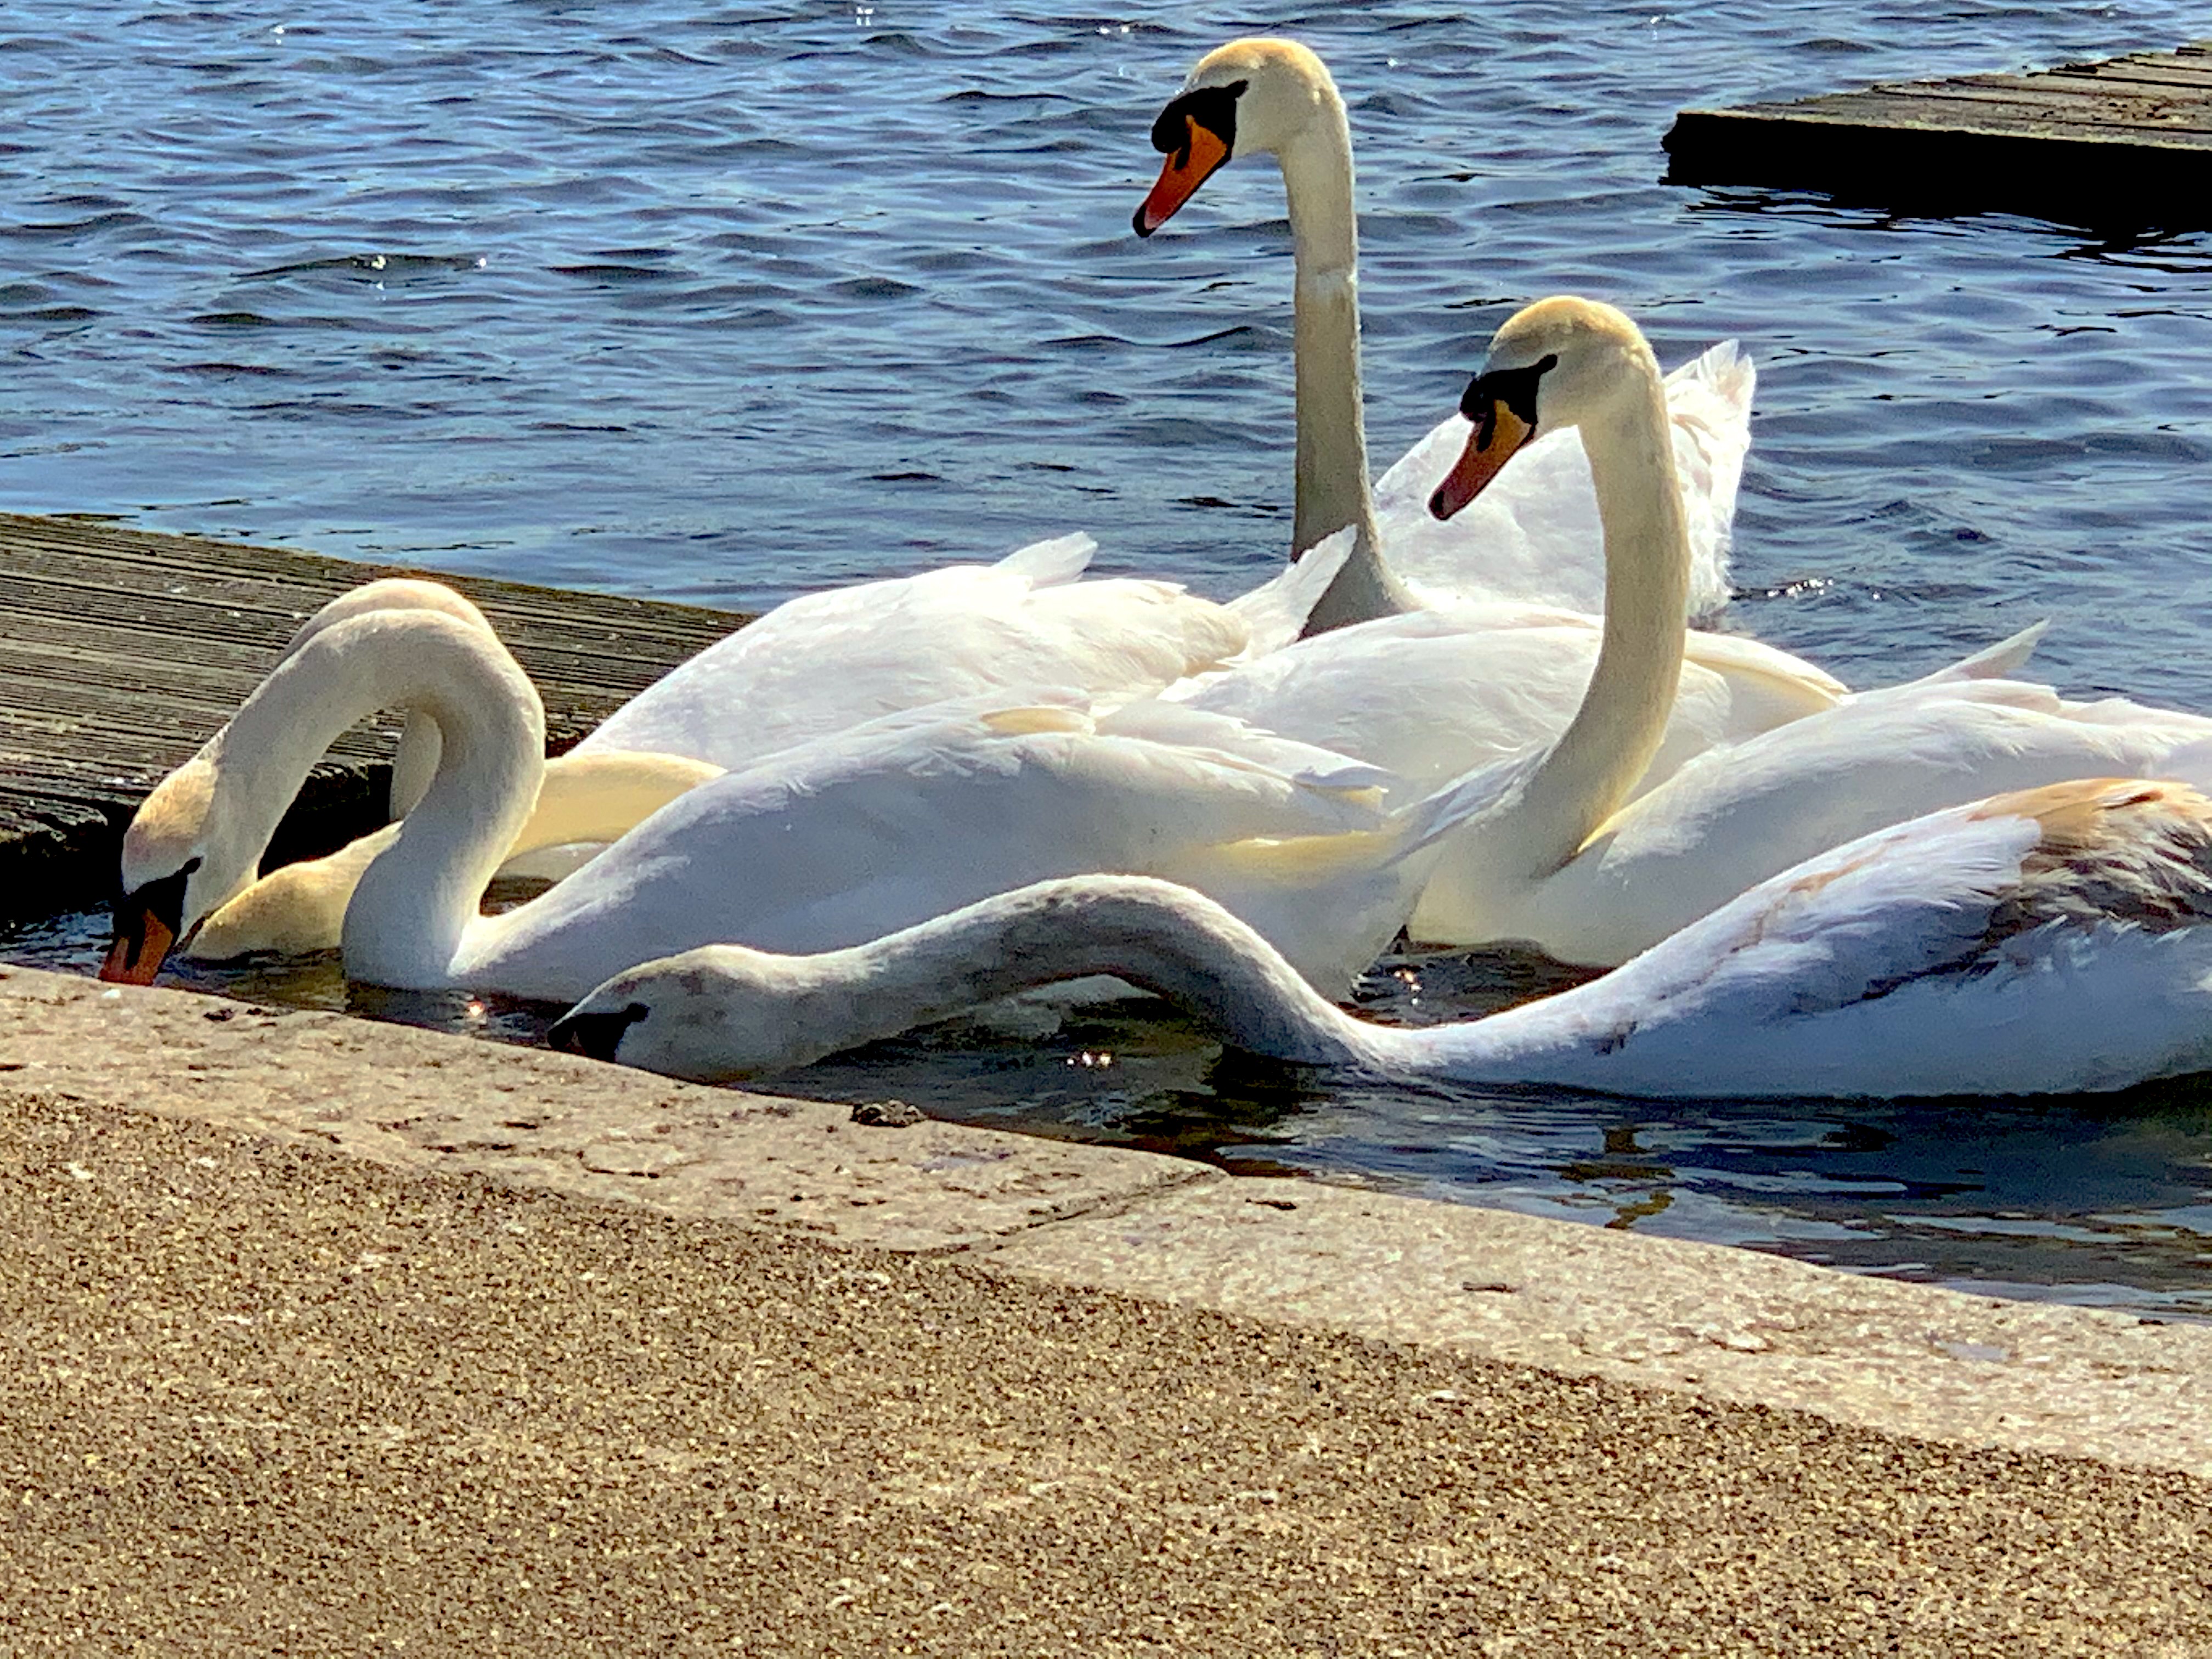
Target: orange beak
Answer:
[[138, 953], [1489, 447], [1181, 175]]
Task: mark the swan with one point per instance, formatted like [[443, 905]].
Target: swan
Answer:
[[1427, 692], [1561, 857], [587, 799], [823, 844], [2056, 939], [1537, 544], [817, 663], [825, 662]]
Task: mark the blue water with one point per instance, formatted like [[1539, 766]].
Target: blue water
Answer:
[[724, 305]]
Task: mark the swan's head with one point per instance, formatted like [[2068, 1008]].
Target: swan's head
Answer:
[[713, 1014], [180, 865], [1562, 361], [1243, 99]]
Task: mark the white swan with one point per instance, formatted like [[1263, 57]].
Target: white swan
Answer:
[[585, 799], [2052, 941], [1558, 859], [1433, 692], [1539, 543], [825, 662], [824, 844], [816, 664]]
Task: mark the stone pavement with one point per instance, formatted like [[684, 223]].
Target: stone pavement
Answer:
[[319, 1337]]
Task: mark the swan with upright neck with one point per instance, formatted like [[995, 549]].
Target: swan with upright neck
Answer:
[[823, 844], [1537, 541], [1428, 693], [1567, 856], [2052, 941]]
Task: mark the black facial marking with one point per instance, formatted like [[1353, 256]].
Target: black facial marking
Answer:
[[1514, 387], [162, 900], [1213, 108], [598, 1035]]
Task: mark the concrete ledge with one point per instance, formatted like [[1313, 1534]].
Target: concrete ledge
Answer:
[[1719, 1323], [533, 1118], [1716, 1322]]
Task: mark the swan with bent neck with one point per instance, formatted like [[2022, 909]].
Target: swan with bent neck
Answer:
[[2054, 941], [590, 798], [823, 844], [1537, 541], [1566, 856]]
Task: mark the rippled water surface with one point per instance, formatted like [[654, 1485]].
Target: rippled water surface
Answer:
[[727, 304]]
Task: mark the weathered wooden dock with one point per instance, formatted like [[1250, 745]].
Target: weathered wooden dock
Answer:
[[2126, 141], [122, 652]]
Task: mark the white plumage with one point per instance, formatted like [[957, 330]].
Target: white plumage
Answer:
[[2054, 940]]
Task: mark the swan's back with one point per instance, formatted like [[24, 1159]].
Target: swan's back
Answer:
[[826, 662], [1735, 815], [1430, 694], [847, 838], [2051, 940]]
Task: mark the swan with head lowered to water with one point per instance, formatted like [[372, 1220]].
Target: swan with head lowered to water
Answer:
[[823, 844], [2054, 941], [823, 662]]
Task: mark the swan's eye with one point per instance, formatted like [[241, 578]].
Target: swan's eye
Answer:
[[1514, 388], [1213, 108]]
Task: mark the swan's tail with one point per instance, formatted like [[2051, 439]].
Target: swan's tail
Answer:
[[1332, 903], [1051, 563], [1993, 662]]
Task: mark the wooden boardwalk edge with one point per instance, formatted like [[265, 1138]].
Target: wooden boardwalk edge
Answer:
[[122, 650], [2123, 142]]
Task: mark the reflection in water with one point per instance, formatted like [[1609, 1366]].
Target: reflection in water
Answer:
[[2101, 1199]]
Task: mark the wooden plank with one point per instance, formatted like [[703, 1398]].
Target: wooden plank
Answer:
[[121, 651], [1988, 115], [2123, 144], [2081, 108]]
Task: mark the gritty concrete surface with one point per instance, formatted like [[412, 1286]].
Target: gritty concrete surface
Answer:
[[323, 1338], [1724, 1322], [424, 1099], [261, 1397]]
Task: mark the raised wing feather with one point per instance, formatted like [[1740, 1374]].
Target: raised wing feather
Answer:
[[825, 662]]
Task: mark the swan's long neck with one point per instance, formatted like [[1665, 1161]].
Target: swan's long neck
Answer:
[[598, 796], [1623, 718], [1163, 938], [1332, 472], [418, 897]]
